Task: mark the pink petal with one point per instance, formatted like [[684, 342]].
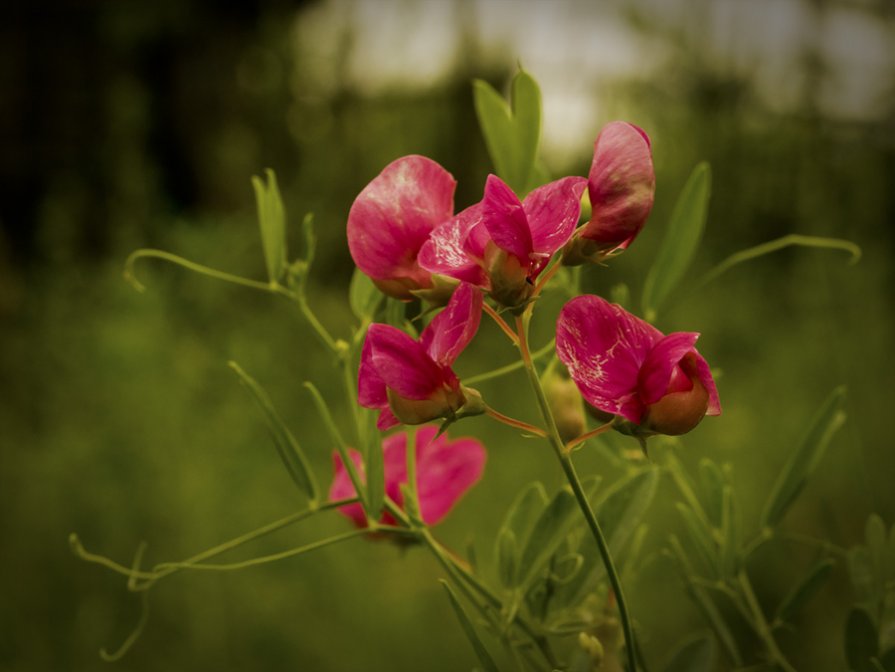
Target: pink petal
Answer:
[[552, 211], [400, 362], [621, 184], [661, 363], [371, 390], [386, 419], [603, 346], [449, 332], [705, 377], [394, 214], [505, 219], [342, 488], [445, 471], [446, 251]]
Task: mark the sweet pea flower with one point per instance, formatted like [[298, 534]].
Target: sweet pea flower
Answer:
[[626, 367], [502, 244], [411, 381], [391, 219], [621, 186], [445, 470]]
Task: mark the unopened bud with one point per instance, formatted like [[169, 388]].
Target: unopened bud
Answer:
[[566, 403], [678, 412]]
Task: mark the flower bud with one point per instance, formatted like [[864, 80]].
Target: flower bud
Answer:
[[566, 403], [443, 403], [681, 409], [510, 284], [621, 185]]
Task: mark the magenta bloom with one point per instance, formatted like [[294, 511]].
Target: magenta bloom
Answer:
[[502, 244], [621, 186], [412, 381], [627, 367], [445, 470], [391, 219]]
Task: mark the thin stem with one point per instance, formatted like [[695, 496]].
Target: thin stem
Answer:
[[509, 368], [568, 468], [192, 266], [761, 624], [322, 334], [546, 278], [587, 435], [513, 422], [501, 323]]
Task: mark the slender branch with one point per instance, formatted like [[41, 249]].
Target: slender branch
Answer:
[[546, 278], [587, 435], [147, 253], [568, 468], [504, 327], [761, 624], [513, 422], [509, 368]]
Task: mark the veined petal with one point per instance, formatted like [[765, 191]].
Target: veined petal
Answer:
[[371, 391], [660, 364], [621, 184], [552, 211], [401, 362], [603, 346], [505, 219], [342, 488], [394, 214], [445, 471], [446, 250], [453, 328]]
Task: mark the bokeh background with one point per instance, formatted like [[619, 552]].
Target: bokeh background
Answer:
[[131, 124]]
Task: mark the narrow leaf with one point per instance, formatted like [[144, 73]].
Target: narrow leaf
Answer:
[[860, 641], [469, 630], [272, 222], [702, 539], [729, 536], [804, 590], [681, 240], [524, 511], [623, 507], [511, 133], [363, 296], [712, 480], [829, 418], [310, 237], [375, 467], [287, 447], [554, 523], [695, 655], [506, 557]]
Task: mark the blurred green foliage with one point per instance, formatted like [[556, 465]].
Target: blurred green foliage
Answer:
[[120, 419]]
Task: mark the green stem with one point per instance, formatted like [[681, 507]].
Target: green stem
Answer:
[[509, 368], [761, 624], [513, 422], [568, 468], [192, 266]]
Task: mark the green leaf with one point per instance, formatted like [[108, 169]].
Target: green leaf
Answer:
[[624, 505], [804, 590], [506, 557], [550, 530], [375, 467], [310, 237], [363, 296], [524, 511], [272, 221], [704, 602], [712, 480], [862, 575], [875, 534], [680, 242], [729, 537], [703, 541], [829, 418], [287, 447], [860, 641], [695, 655], [469, 630], [511, 134]]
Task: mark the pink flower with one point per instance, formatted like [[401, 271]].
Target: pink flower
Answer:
[[626, 367], [412, 381], [502, 244], [391, 219], [445, 470], [621, 186]]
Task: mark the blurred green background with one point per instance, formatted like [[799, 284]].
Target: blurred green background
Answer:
[[132, 124]]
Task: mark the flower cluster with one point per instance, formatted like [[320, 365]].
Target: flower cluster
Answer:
[[403, 233]]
